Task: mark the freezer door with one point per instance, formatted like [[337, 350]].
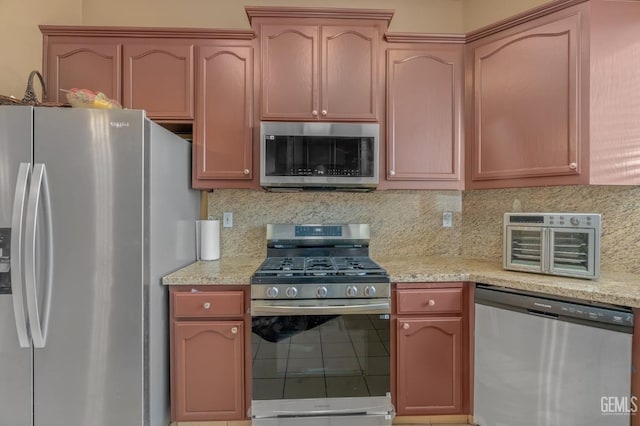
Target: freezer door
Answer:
[[90, 370], [16, 364]]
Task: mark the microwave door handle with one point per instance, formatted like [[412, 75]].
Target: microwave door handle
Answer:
[[17, 277], [39, 193]]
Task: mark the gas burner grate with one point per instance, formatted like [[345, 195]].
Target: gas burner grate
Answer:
[[360, 265], [282, 266]]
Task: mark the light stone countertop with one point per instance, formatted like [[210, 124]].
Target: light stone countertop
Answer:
[[612, 287]]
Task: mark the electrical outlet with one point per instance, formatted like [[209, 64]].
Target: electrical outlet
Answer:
[[227, 220], [447, 219]]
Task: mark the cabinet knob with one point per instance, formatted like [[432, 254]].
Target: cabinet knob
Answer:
[[314, 113], [247, 171], [234, 330], [392, 172], [573, 166], [432, 302], [405, 325], [207, 305], [324, 112]]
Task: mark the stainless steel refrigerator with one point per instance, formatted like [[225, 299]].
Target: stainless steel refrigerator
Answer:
[[95, 207]]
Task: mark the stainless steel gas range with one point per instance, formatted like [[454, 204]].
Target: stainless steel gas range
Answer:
[[320, 319]]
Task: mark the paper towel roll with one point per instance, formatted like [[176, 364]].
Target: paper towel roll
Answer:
[[209, 239]]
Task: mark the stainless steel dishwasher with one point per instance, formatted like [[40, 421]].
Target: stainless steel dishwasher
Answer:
[[543, 361]]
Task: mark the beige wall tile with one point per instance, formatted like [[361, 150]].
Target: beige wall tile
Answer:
[[402, 222], [483, 210]]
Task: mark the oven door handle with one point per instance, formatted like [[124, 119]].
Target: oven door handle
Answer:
[[263, 308]]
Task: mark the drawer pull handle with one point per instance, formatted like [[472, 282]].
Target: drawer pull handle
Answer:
[[432, 302], [234, 330], [405, 325], [207, 305]]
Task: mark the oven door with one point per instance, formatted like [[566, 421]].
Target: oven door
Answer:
[[525, 248], [572, 252], [321, 362]]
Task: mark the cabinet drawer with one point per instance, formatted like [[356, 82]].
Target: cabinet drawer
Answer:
[[437, 300], [208, 304]]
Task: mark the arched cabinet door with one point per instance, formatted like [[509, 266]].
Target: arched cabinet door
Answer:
[[349, 72], [429, 376], [158, 77], [424, 111], [289, 72], [209, 370], [526, 103], [93, 64], [223, 142]]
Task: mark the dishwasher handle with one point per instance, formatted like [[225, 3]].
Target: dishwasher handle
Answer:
[[542, 314]]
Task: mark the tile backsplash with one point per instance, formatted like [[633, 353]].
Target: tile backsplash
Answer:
[[409, 223], [483, 210], [402, 223]]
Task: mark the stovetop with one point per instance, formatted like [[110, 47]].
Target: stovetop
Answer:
[[319, 266], [318, 262]]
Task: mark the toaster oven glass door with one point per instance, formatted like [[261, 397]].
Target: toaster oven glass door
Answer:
[[572, 252], [525, 248]]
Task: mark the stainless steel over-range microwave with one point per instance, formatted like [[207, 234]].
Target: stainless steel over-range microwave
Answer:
[[566, 244], [322, 155]]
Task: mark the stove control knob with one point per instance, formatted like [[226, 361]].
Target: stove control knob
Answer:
[[352, 291], [291, 291], [322, 292], [575, 221], [272, 292], [369, 291]]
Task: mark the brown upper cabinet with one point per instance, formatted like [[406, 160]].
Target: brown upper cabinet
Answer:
[[88, 63], [424, 126], [551, 99], [158, 77], [319, 64], [223, 139]]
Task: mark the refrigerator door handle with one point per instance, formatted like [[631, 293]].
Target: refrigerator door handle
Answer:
[[38, 320], [17, 279]]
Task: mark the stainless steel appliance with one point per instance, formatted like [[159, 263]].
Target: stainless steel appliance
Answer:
[[95, 207], [296, 156], [550, 361], [320, 320], [566, 244]]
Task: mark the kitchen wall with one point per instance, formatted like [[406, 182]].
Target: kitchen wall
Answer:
[[21, 41], [482, 213], [403, 223]]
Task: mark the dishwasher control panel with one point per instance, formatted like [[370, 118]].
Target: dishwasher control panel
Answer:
[[546, 306]]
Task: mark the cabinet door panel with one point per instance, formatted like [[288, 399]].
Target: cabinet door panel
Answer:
[[92, 64], [424, 112], [223, 146], [526, 103], [158, 77], [289, 72], [349, 72], [209, 378], [429, 363]]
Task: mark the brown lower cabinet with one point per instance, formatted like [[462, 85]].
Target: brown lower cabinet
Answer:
[[209, 344], [432, 357]]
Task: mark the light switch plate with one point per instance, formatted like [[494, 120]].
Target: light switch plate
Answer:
[[227, 220], [447, 219]]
